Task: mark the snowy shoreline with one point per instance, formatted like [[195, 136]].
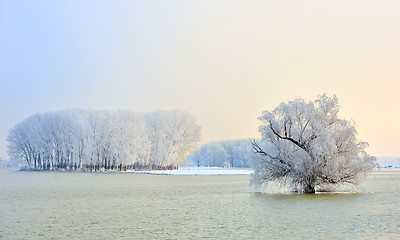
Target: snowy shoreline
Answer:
[[198, 171], [187, 171]]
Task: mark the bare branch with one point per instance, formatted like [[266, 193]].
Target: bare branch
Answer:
[[259, 150], [287, 138]]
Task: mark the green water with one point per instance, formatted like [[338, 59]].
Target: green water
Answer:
[[77, 205]]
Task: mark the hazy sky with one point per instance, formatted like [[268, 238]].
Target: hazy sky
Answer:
[[222, 61]]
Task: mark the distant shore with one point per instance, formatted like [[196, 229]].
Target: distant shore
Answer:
[[199, 171], [189, 171]]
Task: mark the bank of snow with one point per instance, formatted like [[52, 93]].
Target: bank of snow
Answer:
[[200, 171]]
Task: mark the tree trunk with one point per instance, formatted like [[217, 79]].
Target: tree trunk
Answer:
[[309, 188]]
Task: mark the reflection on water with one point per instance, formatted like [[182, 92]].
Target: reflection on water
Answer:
[[71, 205]]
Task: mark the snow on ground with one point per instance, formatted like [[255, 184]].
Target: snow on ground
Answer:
[[200, 171], [216, 170]]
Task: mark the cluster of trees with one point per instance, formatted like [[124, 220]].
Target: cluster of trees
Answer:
[[231, 153], [103, 140], [307, 146]]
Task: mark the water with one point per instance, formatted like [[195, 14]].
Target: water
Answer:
[[77, 205]]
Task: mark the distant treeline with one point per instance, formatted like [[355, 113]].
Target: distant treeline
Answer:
[[103, 140], [230, 153]]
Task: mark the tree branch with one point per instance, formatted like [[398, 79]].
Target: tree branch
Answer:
[[259, 150], [286, 138]]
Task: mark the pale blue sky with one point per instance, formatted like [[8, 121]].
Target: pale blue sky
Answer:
[[222, 61]]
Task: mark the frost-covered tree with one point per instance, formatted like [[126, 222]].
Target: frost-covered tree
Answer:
[[211, 155], [228, 153], [22, 147], [172, 135], [306, 145]]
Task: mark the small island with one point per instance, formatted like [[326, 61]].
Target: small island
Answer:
[[102, 141]]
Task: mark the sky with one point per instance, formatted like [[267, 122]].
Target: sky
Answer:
[[222, 61]]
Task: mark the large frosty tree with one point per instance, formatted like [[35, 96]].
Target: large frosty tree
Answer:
[[306, 146]]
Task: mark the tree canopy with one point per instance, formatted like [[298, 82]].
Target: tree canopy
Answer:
[[306, 146]]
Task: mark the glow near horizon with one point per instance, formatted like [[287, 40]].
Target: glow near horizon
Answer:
[[222, 61]]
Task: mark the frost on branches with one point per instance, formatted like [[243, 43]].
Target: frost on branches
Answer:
[[305, 146]]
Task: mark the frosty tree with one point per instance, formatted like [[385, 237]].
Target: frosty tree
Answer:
[[227, 153], [306, 146]]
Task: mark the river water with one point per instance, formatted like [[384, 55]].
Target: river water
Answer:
[[78, 205]]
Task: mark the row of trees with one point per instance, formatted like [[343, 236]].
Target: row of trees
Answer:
[[103, 140], [230, 153]]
